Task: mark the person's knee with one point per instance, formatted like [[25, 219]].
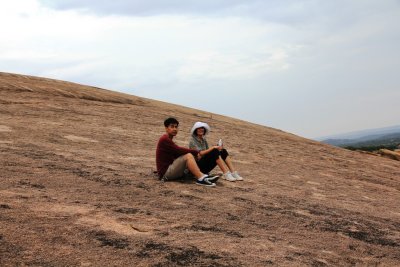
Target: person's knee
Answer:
[[214, 151], [189, 156], [214, 154], [224, 153]]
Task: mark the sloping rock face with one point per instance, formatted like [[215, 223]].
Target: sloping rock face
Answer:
[[77, 189], [389, 154]]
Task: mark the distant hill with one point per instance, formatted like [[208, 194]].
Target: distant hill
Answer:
[[391, 142], [380, 136], [385, 140]]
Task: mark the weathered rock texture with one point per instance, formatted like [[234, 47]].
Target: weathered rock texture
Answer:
[[389, 154], [77, 189]]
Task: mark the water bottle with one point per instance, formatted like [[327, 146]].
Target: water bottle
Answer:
[[220, 142]]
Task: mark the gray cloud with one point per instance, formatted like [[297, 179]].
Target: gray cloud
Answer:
[[139, 7], [288, 11], [313, 13]]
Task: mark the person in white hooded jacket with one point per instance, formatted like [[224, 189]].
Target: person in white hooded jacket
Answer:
[[209, 157]]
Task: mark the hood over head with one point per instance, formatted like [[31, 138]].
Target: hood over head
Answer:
[[200, 124]]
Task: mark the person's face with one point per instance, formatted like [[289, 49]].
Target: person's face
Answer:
[[172, 129], [200, 131]]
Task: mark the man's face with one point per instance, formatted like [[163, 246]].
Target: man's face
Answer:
[[172, 129]]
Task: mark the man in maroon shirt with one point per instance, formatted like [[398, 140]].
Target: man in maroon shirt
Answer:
[[172, 160]]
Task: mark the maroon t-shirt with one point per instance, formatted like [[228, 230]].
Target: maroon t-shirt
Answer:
[[167, 151]]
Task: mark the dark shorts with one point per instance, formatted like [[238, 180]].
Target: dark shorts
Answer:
[[209, 161]]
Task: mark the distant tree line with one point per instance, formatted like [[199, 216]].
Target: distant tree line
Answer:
[[372, 147], [390, 142]]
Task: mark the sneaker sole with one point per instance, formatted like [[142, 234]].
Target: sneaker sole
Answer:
[[208, 185], [213, 179]]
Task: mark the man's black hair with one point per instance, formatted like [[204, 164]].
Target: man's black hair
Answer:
[[169, 121]]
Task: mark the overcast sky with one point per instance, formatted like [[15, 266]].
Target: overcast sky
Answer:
[[309, 67]]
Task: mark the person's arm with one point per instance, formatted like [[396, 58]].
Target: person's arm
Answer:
[[193, 145], [177, 150], [206, 151]]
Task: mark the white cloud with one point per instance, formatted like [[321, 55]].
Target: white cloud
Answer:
[[20, 8], [219, 65], [149, 49]]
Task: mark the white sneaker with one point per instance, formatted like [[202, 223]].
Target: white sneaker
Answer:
[[228, 176], [236, 175]]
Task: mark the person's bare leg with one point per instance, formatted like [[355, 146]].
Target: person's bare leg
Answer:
[[229, 164], [227, 174], [192, 166], [221, 165], [235, 175]]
